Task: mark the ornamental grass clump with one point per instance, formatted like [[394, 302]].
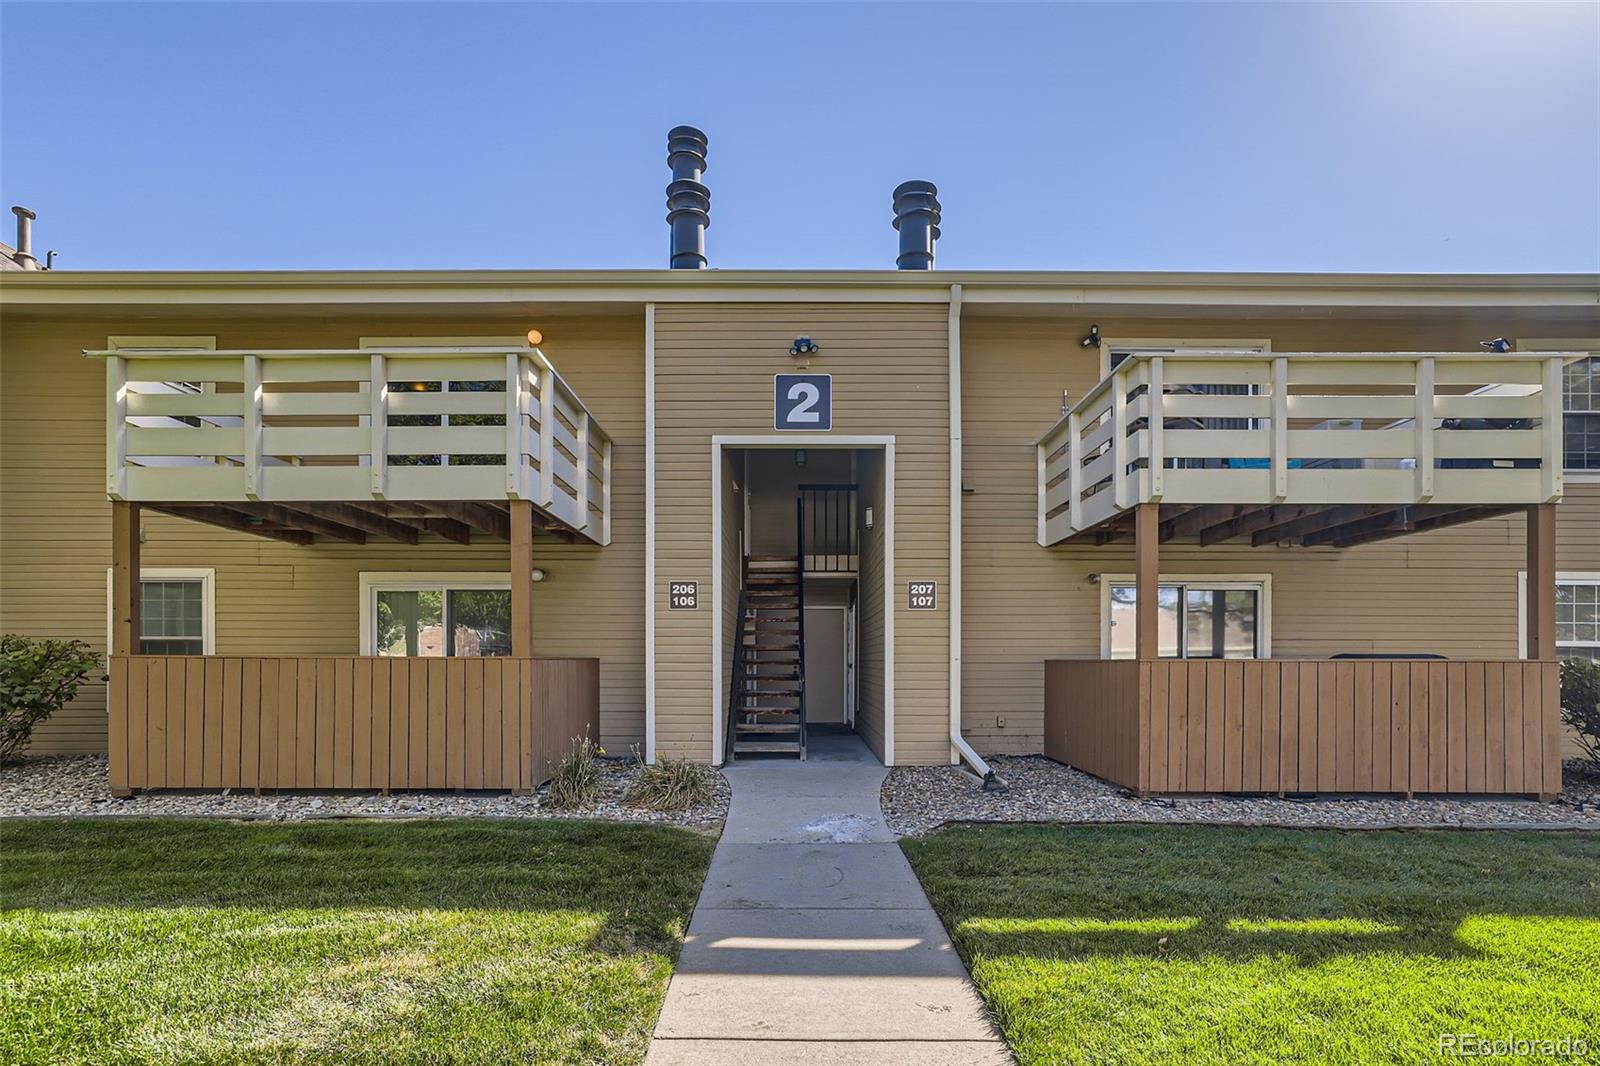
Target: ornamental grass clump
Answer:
[[37, 679], [1580, 703], [576, 782], [670, 785]]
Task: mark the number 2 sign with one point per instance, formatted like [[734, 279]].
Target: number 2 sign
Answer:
[[802, 401]]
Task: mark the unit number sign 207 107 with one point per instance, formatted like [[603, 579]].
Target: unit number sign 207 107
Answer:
[[922, 595]]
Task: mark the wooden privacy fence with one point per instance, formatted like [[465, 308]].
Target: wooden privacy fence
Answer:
[[1274, 725], [345, 722]]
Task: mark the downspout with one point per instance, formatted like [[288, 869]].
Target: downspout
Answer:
[[963, 750]]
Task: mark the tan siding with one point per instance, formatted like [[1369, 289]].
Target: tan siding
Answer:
[[714, 366], [869, 663], [1453, 591], [274, 598]]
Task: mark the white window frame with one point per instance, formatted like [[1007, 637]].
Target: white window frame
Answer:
[[207, 576], [1260, 584], [1563, 577], [372, 582], [1572, 475]]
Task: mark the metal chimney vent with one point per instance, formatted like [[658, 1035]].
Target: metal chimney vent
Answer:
[[688, 200], [916, 216]]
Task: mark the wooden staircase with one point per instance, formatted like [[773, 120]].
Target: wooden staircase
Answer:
[[766, 702]]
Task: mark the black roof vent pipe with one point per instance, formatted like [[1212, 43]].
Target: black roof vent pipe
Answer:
[[688, 200], [916, 216]]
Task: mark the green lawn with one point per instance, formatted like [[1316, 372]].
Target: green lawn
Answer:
[[1190, 944], [462, 941]]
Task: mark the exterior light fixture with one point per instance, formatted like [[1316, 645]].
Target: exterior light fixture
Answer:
[[804, 346], [1093, 339], [868, 517], [537, 575], [535, 338], [799, 457]]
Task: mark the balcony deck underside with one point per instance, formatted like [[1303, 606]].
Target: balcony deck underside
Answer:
[[1306, 525], [357, 522]]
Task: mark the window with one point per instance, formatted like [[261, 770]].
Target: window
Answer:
[[1580, 401], [177, 612], [1580, 405], [435, 614], [1578, 618], [1197, 618]]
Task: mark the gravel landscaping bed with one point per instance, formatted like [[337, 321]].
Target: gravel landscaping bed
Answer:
[[919, 798], [75, 786]]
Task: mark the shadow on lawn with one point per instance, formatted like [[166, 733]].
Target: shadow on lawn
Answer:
[[642, 879], [1312, 897]]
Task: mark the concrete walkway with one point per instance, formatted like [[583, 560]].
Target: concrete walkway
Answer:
[[812, 940]]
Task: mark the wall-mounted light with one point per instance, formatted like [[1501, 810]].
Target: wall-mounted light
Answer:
[[1094, 579], [535, 338], [537, 575], [804, 346], [799, 457], [868, 517], [1093, 339]]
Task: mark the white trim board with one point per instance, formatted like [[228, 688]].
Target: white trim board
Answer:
[[1253, 582], [1563, 577], [719, 716], [206, 575], [370, 582]]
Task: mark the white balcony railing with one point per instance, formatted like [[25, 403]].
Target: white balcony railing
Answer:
[[1200, 427], [401, 424]]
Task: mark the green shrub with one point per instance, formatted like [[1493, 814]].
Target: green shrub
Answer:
[[576, 782], [37, 678], [1580, 703], [671, 785]]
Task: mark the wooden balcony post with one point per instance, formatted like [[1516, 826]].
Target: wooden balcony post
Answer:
[[1146, 580], [521, 578], [124, 578], [1540, 610]]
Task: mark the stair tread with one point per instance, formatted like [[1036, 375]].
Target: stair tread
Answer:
[[767, 727], [767, 745]]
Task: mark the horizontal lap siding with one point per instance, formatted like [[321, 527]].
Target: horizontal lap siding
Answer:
[[1335, 726], [1452, 592], [274, 598], [346, 722], [714, 368]]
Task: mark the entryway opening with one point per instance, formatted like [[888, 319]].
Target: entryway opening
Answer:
[[803, 592]]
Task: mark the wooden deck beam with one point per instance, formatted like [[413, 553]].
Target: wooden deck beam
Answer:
[[1250, 520], [231, 520], [359, 516], [1396, 522], [297, 518], [1319, 519]]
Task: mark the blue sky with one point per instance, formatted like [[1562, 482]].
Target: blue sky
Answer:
[[1451, 137]]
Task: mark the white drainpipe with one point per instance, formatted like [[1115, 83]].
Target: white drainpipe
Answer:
[[957, 741]]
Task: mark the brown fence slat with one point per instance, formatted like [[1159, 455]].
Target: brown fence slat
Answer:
[[399, 673], [211, 719], [1361, 689], [251, 728], [1455, 719], [417, 715], [1233, 726], [138, 721], [365, 714], [1532, 731], [1328, 710], [1156, 739], [454, 736], [1438, 727], [1380, 776], [344, 724], [510, 725], [472, 730], [1474, 746], [117, 724], [1494, 727], [382, 720], [1513, 701], [1271, 696], [232, 713]]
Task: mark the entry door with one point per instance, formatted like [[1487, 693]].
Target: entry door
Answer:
[[825, 665]]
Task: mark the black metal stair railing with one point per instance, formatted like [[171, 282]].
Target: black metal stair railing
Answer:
[[737, 666]]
